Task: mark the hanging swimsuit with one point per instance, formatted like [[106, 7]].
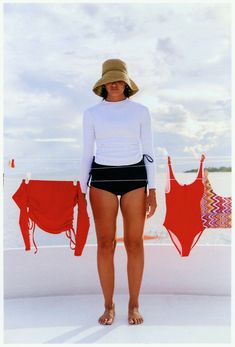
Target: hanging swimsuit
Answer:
[[216, 210], [50, 205], [183, 213]]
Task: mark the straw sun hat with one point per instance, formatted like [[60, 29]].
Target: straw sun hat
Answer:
[[114, 70]]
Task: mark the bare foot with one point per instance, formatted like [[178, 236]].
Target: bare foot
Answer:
[[134, 317], [108, 316]]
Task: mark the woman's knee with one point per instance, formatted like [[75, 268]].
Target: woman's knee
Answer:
[[106, 245], [133, 245]]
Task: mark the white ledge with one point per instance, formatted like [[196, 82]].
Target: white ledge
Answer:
[[56, 271]]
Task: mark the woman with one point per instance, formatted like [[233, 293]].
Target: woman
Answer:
[[121, 130]]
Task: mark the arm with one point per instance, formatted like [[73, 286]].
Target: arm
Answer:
[[87, 151], [147, 148]]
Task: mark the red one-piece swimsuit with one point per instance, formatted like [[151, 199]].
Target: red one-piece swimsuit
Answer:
[[183, 211]]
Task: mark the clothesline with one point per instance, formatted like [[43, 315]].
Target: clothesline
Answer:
[[157, 164], [222, 158]]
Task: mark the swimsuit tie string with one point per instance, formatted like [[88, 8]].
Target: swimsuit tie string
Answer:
[[69, 235], [148, 157], [90, 173], [32, 226]]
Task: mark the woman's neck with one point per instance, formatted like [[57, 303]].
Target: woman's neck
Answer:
[[113, 99]]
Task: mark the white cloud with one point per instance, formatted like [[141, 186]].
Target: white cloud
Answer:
[[22, 103], [55, 139], [161, 151], [176, 119], [198, 149], [203, 91]]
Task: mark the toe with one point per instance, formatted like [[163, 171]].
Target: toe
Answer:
[[102, 321]]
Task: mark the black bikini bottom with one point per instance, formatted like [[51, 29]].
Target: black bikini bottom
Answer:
[[119, 179]]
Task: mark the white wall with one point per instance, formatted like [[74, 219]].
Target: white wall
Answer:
[[56, 271]]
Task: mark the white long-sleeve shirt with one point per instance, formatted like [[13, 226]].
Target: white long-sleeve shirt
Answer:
[[117, 133]]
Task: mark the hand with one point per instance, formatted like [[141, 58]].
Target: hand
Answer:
[[151, 203]]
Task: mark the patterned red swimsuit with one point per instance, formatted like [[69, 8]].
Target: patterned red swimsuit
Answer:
[[216, 210], [183, 212]]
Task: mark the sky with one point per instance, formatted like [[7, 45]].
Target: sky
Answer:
[[179, 55]]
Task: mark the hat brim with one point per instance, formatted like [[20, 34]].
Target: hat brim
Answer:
[[112, 76]]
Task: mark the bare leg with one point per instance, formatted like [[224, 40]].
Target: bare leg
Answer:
[[133, 207], [105, 208]]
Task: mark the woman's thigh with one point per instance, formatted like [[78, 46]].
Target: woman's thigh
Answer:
[[104, 207], [133, 208]]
